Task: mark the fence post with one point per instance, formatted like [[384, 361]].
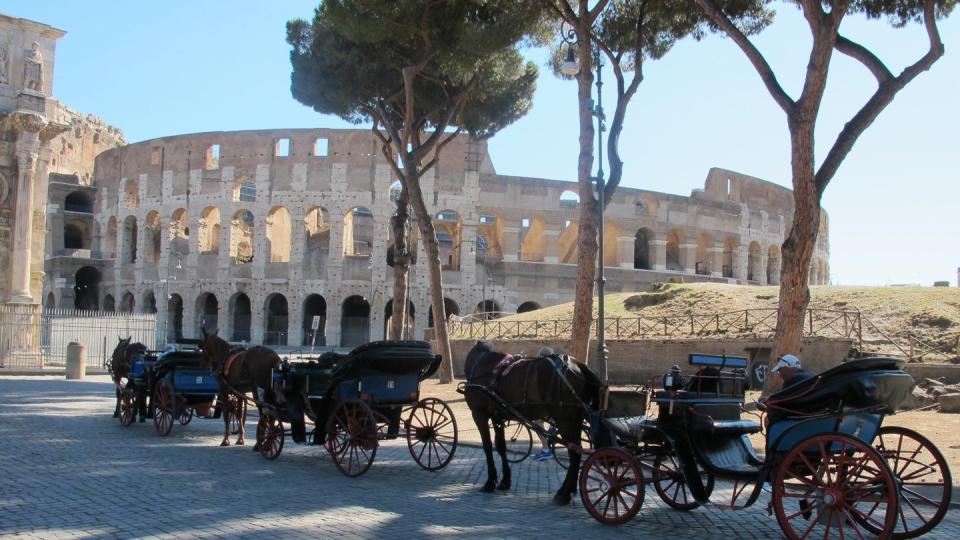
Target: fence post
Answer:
[[810, 315]]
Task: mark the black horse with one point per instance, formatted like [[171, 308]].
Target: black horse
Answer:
[[238, 371], [121, 363], [554, 387]]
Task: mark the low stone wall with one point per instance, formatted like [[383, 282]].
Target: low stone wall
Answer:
[[639, 361], [950, 372]]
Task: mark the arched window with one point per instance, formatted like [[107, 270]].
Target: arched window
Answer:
[[528, 306], [180, 232], [641, 249], [674, 238], [358, 231], [241, 237], [388, 318], [78, 201], [354, 322], [242, 315], [152, 237], [209, 234], [207, 312], [278, 235], [86, 288], [129, 240], [449, 307], [448, 229], [704, 262], [315, 321], [276, 320]]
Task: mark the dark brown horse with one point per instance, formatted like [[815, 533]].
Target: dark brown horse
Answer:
[[554, 387], [238, 372], [121, 363]]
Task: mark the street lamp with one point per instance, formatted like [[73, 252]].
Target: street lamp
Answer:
[[570, 67]]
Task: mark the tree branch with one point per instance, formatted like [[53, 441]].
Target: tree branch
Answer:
[[440, 145], [864, 56]]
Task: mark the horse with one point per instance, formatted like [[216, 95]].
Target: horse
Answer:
[[121, 363], [238, 371], [555, 387]]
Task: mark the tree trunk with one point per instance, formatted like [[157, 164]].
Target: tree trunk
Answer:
[[435, 273], [797, 249], [401, 267], [587, 234]]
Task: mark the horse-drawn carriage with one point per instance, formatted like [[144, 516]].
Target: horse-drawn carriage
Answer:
[[832, 468], [356, 400]]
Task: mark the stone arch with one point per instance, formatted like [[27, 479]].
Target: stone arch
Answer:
[[449, 307], [76, 234], [51, 302], [275, 320], [86, 288], [242, 318], [317, 242], [129, 255], [131, 194], [241, 236], [354, 322], [753, 261], [704, 261], [111, 239], [773, 265], [149, 302], [488, 309], [174, 317], [278, 235], [674, 238], [244, 189], [411, 318], [449, 229], [567, 246], [569, 200], [207, 313], [78, 201], [180, 232], [358, 225], [642, 253], [490, 229], [314, 305], [528, 306], [209, 234], [730, 246], [109, 305], [127, 303], [152, 237], [531, 239]]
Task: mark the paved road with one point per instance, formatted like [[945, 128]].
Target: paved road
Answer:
[[69, 470]]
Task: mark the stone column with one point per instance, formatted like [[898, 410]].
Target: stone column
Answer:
[[334, 310], [715, 255], [297, 243], [260, 252], [294, 320], [257, 321], [627, 247], [688, 258], [224, 261], [20, 256], [761, 276], [658, 254]]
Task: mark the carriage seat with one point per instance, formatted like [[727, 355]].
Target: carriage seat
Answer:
[[626, 426], [728, 427]]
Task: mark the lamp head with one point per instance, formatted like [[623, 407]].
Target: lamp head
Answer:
[[570, 66]]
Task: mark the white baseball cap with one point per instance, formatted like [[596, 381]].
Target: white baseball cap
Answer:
[[787, 360]]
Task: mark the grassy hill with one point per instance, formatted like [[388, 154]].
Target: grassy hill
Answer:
[[891, 316]]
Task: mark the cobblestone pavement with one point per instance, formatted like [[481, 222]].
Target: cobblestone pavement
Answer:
[[69, 470]]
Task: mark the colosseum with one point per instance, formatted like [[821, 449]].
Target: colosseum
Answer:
[[281, 236]]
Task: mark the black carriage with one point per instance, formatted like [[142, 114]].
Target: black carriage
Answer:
[[831, 466], [356, 400]]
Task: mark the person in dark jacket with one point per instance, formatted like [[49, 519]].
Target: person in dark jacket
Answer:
[[790, 371]]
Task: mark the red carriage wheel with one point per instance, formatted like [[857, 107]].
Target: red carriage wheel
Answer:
[[352, 437], [834, 485], [235, 407], [184, 415], [128, 407], [923, 476], [611, 486], [163, 407], [432, 434], [671, 486], [269, 434]]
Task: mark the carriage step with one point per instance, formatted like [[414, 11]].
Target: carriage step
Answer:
[[729, 427]]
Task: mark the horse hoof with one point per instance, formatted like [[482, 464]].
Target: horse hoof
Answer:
[[488, 487], [225, 443], [240, 443], [561, 499]]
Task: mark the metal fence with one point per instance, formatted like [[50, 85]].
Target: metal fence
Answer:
[[30, 338]]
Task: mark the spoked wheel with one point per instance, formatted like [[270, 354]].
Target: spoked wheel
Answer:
[[163, 407], [352, 437], [519, 441], [184, 415], [835, 486], [671, 486], [923, 476], [235, 407], [611, 486], [269, 434], [560, 453], [432, 434], [128, 406]]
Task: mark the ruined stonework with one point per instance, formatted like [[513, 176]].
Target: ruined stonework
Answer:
[[265, 234]]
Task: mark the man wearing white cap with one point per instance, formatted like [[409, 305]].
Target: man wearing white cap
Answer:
[[789, 369]]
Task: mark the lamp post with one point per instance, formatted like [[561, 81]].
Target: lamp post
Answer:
[[571, 67]]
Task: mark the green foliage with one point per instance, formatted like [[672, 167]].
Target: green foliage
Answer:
[[349, 61], [899, 12]]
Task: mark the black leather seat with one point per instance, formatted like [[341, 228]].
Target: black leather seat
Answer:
[[627, 426]]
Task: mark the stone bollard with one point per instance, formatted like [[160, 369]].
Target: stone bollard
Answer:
[[76, 360]]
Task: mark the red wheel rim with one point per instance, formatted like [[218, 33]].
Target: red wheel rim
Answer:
[[611, 486], [834, 485], [163, 408], [269, 435], [671, 486], [352, 437], [922, 475], [126, 407], [432, 434]]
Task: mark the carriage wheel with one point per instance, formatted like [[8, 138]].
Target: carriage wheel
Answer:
[[671, 486], [432, 434], [923, 477], [163, 407], [184, 415], [832, 484], [561, 455], [519, 440], [611, 486], [269, 434], [352, 437], [128, 407], [235, 408]]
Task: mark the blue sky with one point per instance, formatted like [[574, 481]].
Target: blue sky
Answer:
[[178, 66]]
